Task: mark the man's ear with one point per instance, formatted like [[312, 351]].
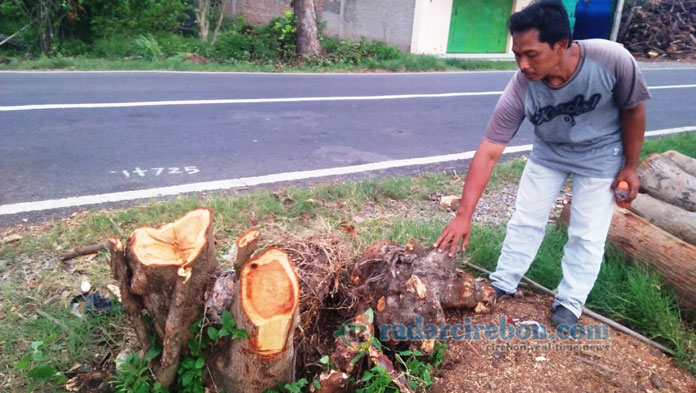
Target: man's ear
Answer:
[[560, 46]]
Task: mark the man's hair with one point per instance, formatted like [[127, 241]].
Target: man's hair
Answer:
[[547, 16]]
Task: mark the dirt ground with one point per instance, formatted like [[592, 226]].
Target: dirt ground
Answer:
[[628, 365]]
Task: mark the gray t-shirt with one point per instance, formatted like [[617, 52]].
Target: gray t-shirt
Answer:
[[577, 125]]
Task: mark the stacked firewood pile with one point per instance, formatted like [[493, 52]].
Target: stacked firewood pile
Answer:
[[660, 28], [659, 228]]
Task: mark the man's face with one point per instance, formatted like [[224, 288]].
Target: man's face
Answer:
[[536, 59]]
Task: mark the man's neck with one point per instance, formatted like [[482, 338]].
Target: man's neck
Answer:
[[566, 66]]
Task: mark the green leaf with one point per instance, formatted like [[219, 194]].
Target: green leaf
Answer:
[[324, 360], [143, 388], [188, 362], [223, 332], [42, 371], [367, 376], [152, 353], [158, 388], [413, 385], [228, 321], [59, 379], [406, 353], [194, 346], [36, 344], [187, 377], [213, 333], [357, 357], [37, 356], [240, 333], [50, 338], [417, 352], [196, 326], [200, 362], [23, 362], [376, 344], [370, 315], [317, 384]]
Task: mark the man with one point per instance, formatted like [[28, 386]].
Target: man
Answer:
[[586, 102]]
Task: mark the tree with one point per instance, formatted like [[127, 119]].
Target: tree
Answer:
[[206, 10], [307, 34], [46, 16]]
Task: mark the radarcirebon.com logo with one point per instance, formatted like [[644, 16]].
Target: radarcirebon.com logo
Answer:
[[357, 333]]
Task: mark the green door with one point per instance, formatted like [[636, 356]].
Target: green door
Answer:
[[479, 26]]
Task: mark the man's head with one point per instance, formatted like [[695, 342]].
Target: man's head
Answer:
[[540, 37]]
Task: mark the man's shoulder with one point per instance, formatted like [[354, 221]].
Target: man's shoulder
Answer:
[[605, 52]]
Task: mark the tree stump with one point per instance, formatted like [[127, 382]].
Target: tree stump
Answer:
[[266, 306], [167, 272], [405, 283]]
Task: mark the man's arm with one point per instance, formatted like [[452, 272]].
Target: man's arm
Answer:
[[633, 132], [477, 177]]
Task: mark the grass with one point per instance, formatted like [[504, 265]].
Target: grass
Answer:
[[399, 209], [410, 63]]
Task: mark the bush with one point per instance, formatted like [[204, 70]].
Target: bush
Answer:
[[115, 46], [72, 47], [134, 17], [148, 47], [355, 53]]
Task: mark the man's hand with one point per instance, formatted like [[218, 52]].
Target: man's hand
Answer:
[[630, 176], [457, 230]]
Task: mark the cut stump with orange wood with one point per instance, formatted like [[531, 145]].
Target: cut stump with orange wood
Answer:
[[167, 272], [266, 306]]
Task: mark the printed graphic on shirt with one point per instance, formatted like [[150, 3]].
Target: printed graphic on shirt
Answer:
[[569, 109]]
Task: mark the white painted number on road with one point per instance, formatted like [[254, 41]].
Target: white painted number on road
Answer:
[[158, 171]]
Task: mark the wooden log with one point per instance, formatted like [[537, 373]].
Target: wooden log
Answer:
[[266, 306], [659, 250], [677, 221], [664, 180], [686, 163], [246, 245], [168, 270]]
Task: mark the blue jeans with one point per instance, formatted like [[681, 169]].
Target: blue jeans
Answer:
[[591, 212]]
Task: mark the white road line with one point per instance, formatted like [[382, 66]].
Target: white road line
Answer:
[[11, 108], [671, 87], [25, 207], [243, 101]]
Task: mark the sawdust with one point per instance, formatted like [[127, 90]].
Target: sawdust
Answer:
[[628, 365]]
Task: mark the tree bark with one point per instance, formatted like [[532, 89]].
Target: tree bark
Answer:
[[307, 34], [677, 221], [665, 180], [201, 10], [168, 270], [686, 163], [266, 306], [670, 256]]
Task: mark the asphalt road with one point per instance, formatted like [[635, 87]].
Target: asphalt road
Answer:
[[52, 153]]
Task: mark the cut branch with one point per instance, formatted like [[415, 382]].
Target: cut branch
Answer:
[[246, 246], [92, 249]]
